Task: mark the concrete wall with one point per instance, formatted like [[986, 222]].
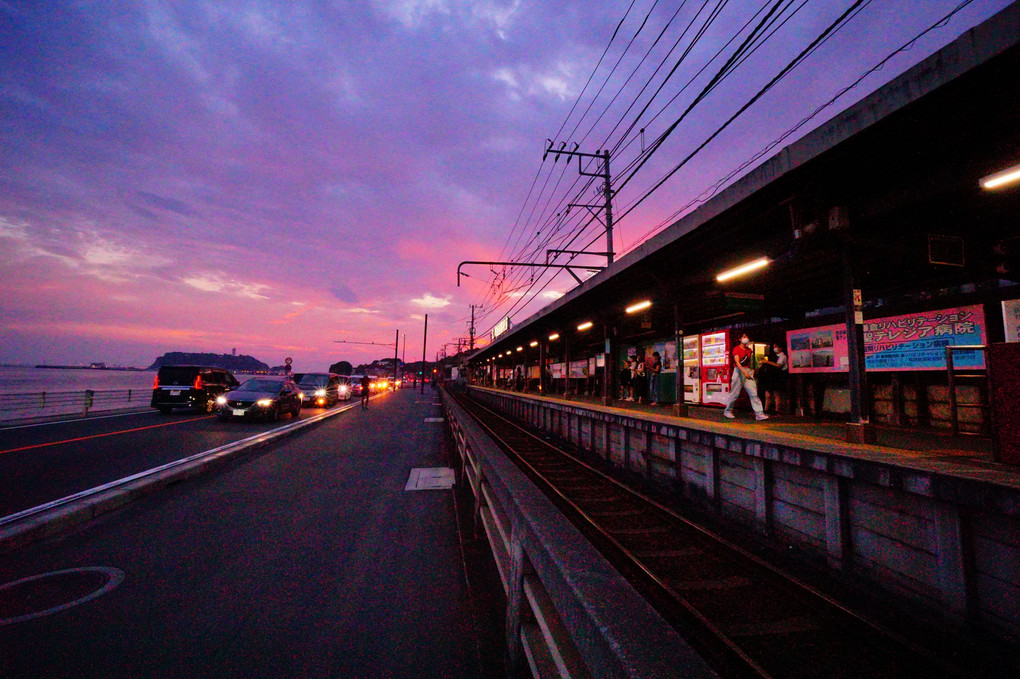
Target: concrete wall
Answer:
[[946, 537]]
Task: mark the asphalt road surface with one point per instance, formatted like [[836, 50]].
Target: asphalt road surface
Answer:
[[305, 558]]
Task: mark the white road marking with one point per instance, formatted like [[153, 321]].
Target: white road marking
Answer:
[[115, 576], [430, 478], [434, 419]]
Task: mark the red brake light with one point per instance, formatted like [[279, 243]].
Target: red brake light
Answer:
[[198, 383], [155, 382]]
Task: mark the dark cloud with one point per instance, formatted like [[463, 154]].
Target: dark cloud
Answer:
[[343, 293], [164, 203]]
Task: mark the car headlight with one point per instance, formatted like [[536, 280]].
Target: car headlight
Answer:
[[320, 392], [265, 402], [221, 400], [343, 390]]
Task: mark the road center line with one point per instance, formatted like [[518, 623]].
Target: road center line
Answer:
[[97, 436]]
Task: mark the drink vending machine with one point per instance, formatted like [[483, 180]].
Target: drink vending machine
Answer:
[[692, 369], [715, 368]]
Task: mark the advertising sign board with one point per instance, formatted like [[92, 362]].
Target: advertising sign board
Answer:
[[908, 342]]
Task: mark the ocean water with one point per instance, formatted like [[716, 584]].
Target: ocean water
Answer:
[[35, 380]]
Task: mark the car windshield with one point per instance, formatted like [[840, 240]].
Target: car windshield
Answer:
[[256, 384], [313, 380]]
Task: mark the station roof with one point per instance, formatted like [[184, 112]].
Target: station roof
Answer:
[[896, 178]]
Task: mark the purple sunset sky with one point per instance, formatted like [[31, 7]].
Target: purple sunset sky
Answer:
[[275, 176]]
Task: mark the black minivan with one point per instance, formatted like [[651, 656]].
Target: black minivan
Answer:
[[190, 386]]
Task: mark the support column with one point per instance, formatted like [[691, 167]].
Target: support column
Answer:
[[859, 429], [680, 407]]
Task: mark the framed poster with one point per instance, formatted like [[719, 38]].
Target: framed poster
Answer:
[[1011, 319], [818, 350]]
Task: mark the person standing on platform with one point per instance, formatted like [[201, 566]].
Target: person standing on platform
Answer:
[[639, 380], [653, 369], [365, 382], [743, 378], [776, 386], [626, 375]]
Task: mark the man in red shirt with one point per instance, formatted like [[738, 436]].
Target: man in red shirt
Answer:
[[743, 378]]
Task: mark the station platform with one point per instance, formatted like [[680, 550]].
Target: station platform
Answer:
[[924, 443], [338, 551]]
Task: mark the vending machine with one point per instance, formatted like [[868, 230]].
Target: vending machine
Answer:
[[715, 368], [692, 369]]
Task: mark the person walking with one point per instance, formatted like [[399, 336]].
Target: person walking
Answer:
[[365, 382], [653, 368], [742, 377]]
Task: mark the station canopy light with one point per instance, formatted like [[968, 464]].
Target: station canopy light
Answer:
[[640, 306], [1011, 175], [553, 337], [534, 343], [585, 325], [520, 348], [744, 269]]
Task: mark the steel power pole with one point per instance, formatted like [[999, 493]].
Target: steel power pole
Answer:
[[607, 187]]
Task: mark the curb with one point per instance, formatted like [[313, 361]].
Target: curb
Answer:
[[31, 525]]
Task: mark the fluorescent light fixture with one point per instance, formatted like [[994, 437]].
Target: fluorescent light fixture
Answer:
[[743, 269], [534, 343], [640, 306], [553, 337], [995, 181], [520, 348], [585, 325]]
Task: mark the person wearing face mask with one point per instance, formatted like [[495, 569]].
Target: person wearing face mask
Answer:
[[743, 378]]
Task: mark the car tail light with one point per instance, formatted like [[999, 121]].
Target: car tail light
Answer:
[[198, 383], [155, 382]]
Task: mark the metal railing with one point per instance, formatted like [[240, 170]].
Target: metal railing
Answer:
[[953, 375], [43, 403]]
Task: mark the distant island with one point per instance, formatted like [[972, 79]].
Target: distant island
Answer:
[[239, 364]]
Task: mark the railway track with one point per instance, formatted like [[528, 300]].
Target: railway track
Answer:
[[747, 618]]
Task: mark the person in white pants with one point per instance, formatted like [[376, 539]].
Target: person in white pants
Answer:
[[743, 378]]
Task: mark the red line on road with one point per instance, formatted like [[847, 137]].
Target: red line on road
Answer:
[[97, 436]]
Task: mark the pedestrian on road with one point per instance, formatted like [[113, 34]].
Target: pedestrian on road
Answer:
[[743, 378], [365, 382]]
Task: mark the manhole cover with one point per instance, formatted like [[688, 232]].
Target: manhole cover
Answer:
[[49, 593]]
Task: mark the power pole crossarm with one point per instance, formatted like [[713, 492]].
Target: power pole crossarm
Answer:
[[607, 187]]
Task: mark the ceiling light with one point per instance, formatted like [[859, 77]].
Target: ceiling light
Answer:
[[640, 306], [534, 343], [743, 269], [553, 337], [999, 179], [585, 325]]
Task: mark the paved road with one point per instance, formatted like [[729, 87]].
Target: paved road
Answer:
[[43, 462], [306, 558]]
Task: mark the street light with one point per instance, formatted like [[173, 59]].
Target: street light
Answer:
[[744, 269]]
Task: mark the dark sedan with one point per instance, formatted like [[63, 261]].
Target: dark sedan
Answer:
[[261, 398]]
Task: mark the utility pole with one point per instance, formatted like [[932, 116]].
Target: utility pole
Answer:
[[424, 343], [471, 330], [607, 187]]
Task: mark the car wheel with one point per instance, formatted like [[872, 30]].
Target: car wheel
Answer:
[[296, 411], [166, 410]]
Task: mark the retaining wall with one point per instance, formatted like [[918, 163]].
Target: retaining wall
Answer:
[[942, 534]]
